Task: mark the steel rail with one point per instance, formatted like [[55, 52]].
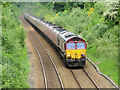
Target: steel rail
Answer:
[[76, 79], [97, 69], [45, 79], [91, 79], [44, 74], [61, 83]]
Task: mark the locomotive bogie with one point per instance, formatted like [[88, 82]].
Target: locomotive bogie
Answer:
[[76, 62]]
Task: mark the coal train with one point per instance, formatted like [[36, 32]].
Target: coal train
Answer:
[[70, 46]]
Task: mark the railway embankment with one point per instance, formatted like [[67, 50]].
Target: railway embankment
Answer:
[[14, 60]]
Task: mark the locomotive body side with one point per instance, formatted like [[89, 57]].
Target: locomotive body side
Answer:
[[48, 30]]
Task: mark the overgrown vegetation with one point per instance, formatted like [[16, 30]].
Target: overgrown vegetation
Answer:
[[15, 67], [96, 22]]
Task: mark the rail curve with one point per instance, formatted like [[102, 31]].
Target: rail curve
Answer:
[[97, 69]]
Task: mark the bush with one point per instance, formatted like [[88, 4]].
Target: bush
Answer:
[[15, 67]]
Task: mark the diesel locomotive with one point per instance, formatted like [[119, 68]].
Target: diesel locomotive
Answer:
[[70, 46]]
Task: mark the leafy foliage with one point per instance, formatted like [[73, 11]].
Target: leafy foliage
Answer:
[[15, 67]]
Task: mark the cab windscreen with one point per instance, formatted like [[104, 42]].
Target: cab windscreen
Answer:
[[81, 45], [70, 45]]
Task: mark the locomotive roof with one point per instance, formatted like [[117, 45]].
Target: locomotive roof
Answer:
[[65, 34]]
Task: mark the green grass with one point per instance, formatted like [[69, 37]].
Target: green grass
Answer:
[[107, 65]]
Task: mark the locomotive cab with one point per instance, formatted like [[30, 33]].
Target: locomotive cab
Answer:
[[76, 52]]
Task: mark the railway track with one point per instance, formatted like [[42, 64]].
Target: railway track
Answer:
[[51, 75], [97, 69], [91, 79], [46, 72], [76, 79], [78, 82]]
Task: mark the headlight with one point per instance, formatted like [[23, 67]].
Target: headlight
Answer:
[[68, 55], [81, 52]]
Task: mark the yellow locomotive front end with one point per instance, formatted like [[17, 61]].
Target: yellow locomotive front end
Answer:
[[76, 53]]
